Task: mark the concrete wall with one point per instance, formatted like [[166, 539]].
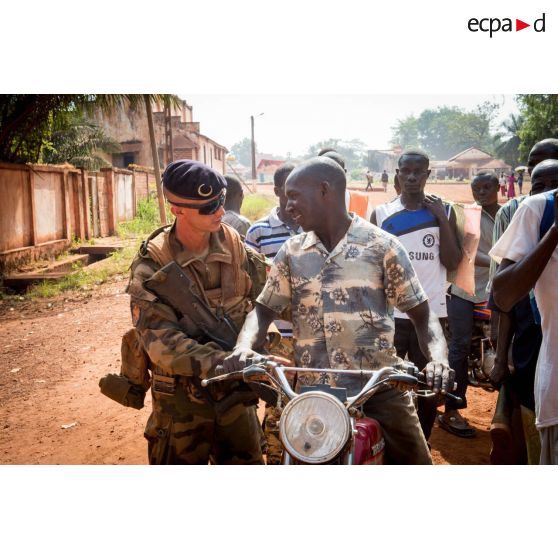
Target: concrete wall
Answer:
[[44, 207], [124, 196], [16, 218]]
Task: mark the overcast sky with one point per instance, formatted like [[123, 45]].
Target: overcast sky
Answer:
[[291, 123]]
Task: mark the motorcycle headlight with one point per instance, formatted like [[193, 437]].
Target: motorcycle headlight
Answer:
[[314, 427]]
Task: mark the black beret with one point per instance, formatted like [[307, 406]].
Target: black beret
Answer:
[[192, 180]]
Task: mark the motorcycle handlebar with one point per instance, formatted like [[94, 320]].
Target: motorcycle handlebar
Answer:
[[378, 377]]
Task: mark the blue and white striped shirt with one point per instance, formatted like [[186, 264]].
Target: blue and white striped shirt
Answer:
[[266, 236]]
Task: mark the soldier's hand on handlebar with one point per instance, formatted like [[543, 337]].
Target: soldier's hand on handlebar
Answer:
[[439, 377], [239, 359]]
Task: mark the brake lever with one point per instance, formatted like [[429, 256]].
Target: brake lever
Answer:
[[448, 394]]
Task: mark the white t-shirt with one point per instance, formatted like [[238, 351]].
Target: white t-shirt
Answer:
[[519, 239], [419, 233]]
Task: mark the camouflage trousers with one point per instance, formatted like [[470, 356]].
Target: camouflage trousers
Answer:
[[273, 446], [186, 430]]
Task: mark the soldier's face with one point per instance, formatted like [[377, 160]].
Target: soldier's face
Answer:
[[195, 220]]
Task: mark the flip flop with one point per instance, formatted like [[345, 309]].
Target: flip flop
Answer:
[[456, 425]]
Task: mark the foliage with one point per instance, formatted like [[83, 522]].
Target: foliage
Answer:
[[242, 150], [353, 151], [445, 131], [406, 133], [508, 141], [77, 140], [27, 122], [256, 206], [540, 120], [357, 174], [146, 219]]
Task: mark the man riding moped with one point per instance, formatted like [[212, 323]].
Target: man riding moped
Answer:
[[338, 282]]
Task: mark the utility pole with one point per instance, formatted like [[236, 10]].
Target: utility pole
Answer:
[[168, 132], [253, 151], [155, 156]]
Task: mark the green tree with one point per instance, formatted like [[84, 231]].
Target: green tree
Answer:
[[78, 141], [242, 150], [540, 120], [507, 141], [353, 151], [405, 133], [27, 122], [445, 131]]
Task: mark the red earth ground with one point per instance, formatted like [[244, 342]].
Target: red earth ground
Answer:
[[53, 353]]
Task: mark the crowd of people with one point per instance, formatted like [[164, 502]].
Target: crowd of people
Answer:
[[508, 182], [346, 292]]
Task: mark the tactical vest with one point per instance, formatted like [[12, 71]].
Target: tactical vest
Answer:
[[233, 295]]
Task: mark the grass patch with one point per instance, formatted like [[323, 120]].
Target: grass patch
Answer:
[[256, 206], [86, 278], [146, 219]]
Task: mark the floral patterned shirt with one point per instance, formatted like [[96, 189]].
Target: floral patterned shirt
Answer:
[[341, 303]]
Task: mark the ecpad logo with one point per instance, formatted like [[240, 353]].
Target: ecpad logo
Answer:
[[494, 24]]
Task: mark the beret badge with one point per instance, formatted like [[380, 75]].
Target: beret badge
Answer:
[[205, 190]]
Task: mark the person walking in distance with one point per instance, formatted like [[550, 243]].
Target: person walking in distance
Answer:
[[385, 180]]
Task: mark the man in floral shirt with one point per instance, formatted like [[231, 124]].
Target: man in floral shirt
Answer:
[[338, 282]]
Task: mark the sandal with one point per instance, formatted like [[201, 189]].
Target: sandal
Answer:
[[455, 424]]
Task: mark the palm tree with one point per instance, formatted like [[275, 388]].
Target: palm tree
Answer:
[[508, 141], [27, 121], [78, 141]]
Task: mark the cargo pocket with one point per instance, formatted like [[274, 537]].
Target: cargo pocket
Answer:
[[157, 432]]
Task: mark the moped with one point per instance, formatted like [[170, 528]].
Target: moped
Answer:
[[321, 424]]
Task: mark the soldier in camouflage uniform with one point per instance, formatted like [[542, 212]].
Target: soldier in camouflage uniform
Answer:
[[339, 282], [190, 424]]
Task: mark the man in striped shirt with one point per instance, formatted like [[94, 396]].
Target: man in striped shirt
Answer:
[[266, 236]]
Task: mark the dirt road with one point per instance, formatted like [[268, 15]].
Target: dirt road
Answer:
[[52, 355]]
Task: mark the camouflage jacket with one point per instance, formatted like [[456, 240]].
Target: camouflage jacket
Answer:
[[173, 343]]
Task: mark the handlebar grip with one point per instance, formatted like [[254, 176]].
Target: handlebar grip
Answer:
[[222, 378]]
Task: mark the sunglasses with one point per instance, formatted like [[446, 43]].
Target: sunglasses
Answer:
[[208, 208]]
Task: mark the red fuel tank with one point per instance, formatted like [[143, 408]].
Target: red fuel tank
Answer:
[[369, 442]]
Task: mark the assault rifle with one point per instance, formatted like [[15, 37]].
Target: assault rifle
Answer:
[[173, 287]]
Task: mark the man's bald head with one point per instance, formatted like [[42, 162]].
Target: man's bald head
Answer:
[[319, 170], [542, 150], [544, 176]]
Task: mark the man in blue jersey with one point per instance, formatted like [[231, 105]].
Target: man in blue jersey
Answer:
[[426, 227]]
